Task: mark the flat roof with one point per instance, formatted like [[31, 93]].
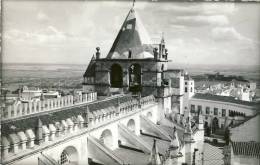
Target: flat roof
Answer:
[[227, 99]]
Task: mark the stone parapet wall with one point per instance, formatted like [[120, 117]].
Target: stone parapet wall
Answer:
[[19, 109]]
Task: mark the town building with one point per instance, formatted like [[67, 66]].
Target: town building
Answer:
[[228, 86], [223, 111]]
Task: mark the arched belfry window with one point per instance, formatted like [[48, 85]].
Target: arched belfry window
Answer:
[[116, 76], [135, 78]]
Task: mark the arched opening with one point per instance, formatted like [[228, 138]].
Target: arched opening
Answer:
[[215, 125], [206, 124], [149, 115], [107, 138], [131, 125], [69, 156], [135, 78], [116, 76]]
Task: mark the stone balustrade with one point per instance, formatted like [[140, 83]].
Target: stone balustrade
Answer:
[[19, 108], [99, 117], [15, 143]]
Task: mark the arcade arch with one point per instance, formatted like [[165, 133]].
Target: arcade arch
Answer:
[[69, 156], [131, 125], [149, 115], [107, 138]]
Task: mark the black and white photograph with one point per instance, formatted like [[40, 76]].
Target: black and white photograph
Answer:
[[130, 82]]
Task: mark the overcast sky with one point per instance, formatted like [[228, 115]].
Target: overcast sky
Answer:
[[69, 31]]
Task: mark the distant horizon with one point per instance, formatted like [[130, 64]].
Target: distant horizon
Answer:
[[170, 64]]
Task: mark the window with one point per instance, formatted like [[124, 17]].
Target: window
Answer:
[[192, 108], [129, 26], [207, 110], [186, 83], [230, 113], [223, 112], [186, 89], [5, 112], [64, 158], [215, 111], [199, 108], [191, 89], [23, 111], [116, 76]]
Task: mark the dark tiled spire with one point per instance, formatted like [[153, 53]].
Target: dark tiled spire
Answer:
[[132, 36]]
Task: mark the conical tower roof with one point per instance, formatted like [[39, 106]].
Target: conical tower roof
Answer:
[[133, 38]]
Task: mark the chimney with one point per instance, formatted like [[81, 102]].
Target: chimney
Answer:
[[97, 53]]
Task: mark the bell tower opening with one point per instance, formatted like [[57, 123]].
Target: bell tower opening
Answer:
[[135, 78], [116, 76]]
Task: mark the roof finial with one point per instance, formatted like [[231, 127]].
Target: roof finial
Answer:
[[162, 37], [133, 3]]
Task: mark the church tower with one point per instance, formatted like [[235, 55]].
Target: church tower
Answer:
[[188, 93], [133, 65]]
